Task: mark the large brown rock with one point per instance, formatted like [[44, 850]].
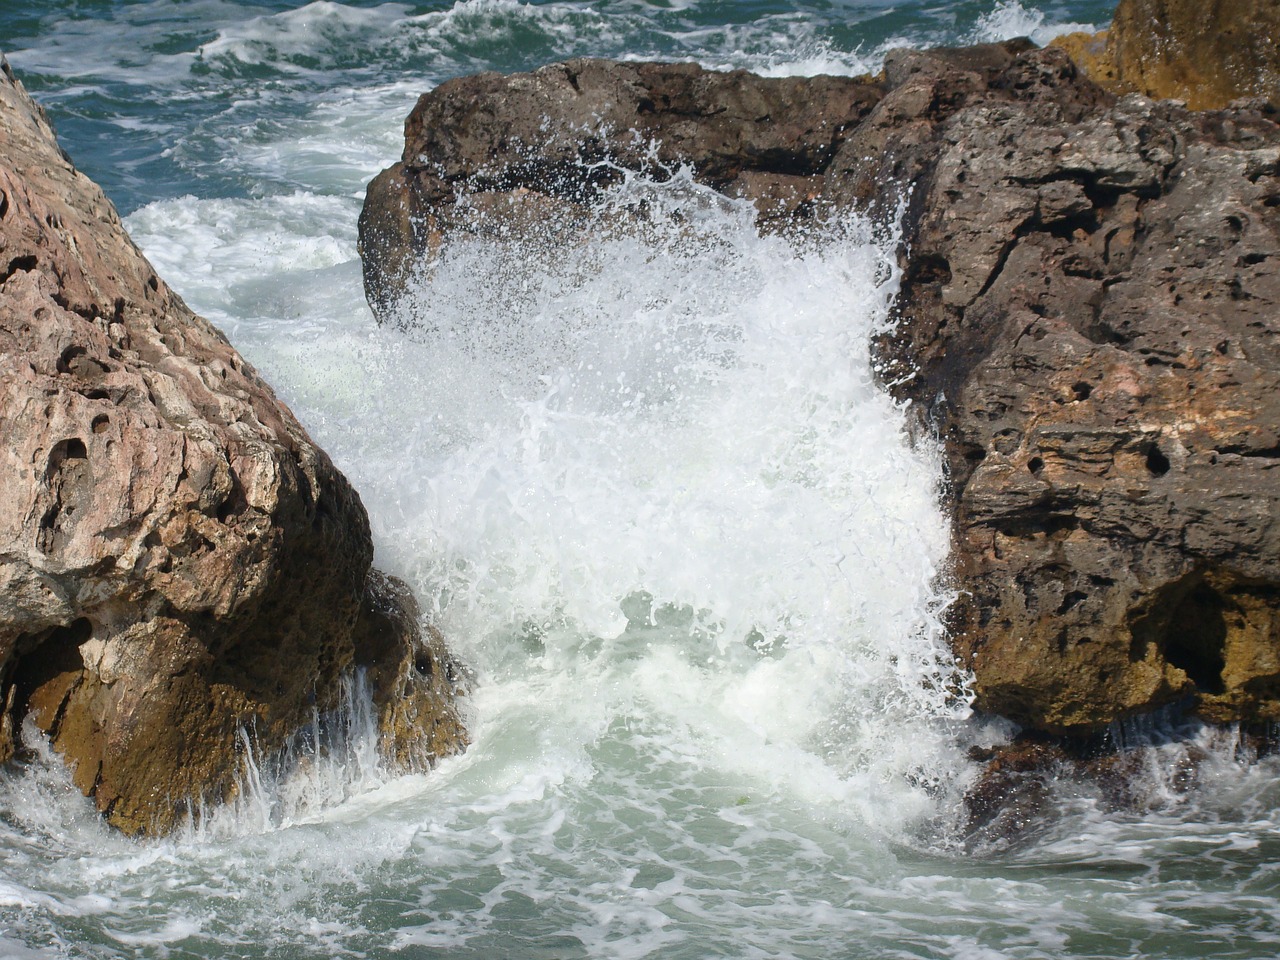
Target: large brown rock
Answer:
[[177, 559], [1089, 311], [486, 138], [1207, 54], [1087, 319]]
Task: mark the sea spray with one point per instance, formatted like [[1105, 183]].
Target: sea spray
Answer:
[[328, 761], [651, 448]]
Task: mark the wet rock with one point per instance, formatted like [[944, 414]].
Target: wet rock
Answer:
[[543, 143], [1087, 320], [1025, 784], [178, 560], [1206, 54], [413, 677], [1013, 791]]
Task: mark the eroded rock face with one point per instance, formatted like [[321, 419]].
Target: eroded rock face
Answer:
[[1090, 306], [1087, 320], [177, 558], [1206, 54]]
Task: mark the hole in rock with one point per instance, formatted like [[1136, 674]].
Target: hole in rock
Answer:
[[1060, 525], [19, 263], [1070, 600], [70, 449], [1157, 462], [1197, 636], [1035, 465], [46, 674], [76, 360]]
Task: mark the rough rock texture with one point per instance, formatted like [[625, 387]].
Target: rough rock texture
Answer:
[[1087, 319], [177, 558], [1092, 56], [1090, 305], [1207, 54]]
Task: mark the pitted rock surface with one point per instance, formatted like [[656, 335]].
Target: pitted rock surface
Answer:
[[1089, 306], [178, 560]]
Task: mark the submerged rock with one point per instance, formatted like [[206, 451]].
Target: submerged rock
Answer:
[[178, 560], [1087, 320]]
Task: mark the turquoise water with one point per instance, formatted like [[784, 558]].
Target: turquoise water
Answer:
[[652, 494]]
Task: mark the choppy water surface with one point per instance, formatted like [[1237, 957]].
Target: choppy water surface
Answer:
[[650, 491]]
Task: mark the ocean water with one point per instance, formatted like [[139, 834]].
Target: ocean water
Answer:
[[650, 491]]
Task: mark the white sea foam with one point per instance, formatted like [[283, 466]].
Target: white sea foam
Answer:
[[665, 454], [314, 28], [1009, 19], [596, 437]]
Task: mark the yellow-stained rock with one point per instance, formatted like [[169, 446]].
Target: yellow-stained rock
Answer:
[[1206, 54]]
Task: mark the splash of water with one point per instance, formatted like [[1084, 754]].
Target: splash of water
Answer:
[[330, 760], [649, 449]]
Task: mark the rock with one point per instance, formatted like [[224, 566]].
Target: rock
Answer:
[[1013, 791], [412, 675], [178, 560], [1206, 54], [1023, 785], [540, 140], [1092, 54], [1087, 319]]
